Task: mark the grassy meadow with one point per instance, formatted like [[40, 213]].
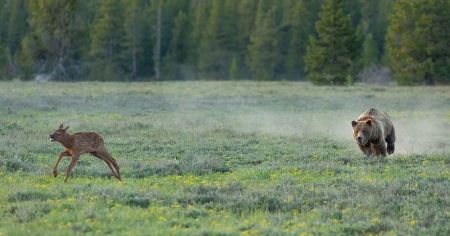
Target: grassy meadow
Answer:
[[223, 158]]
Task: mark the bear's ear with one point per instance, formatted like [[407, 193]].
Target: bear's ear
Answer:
[[369, 122], [354, 123]]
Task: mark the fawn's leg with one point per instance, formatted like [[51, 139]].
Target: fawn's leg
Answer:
[[72, 164], [103, 157], [104, 152], [114, 163], [61, 155]]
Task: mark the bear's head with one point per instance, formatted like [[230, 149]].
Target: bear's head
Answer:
[[362, 131]]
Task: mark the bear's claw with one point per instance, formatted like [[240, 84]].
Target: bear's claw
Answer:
[[390, 149]]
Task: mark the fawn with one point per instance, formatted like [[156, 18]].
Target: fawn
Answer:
[[78, 144]]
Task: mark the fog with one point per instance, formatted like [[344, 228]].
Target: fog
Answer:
[[421, 135], [413, 135]]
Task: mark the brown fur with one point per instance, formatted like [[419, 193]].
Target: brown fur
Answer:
[[372, 131], [78, 144]]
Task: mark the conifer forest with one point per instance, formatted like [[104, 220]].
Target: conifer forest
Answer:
[[323, 41]]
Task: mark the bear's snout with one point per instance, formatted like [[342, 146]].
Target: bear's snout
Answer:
[[360, 140]]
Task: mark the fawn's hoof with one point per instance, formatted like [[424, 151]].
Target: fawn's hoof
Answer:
[[55, 173]]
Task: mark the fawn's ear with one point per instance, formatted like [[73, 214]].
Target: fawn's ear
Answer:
[[61, 126], [66, 128]]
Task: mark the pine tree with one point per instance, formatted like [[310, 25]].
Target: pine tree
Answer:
[[331, 54], [178, 50], [107, 42], [370, 54], [246, 16], [158, 34], [3, 63], [234, 73], [134, 26], [3, 17], [417, 41], [169, 12], [353, 9], [199, 20], [283, 37], [15, 26], [374, 20], [51, 43], [213, 57], [299, 21], [263, 54]]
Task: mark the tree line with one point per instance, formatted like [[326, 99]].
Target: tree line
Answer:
[[324, 41]]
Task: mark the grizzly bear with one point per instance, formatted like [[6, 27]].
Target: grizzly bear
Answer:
[[371, 130]]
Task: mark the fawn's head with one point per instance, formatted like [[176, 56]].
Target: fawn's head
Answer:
[[59, 134]]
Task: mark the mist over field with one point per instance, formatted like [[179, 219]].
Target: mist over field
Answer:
[[414, 135], [420, 126], [429, 134]]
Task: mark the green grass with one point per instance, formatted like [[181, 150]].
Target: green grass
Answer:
[[223, 158]]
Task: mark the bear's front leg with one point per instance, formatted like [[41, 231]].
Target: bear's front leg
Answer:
[[378, 149], [390, 140], [365, 149], [390, 148]]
